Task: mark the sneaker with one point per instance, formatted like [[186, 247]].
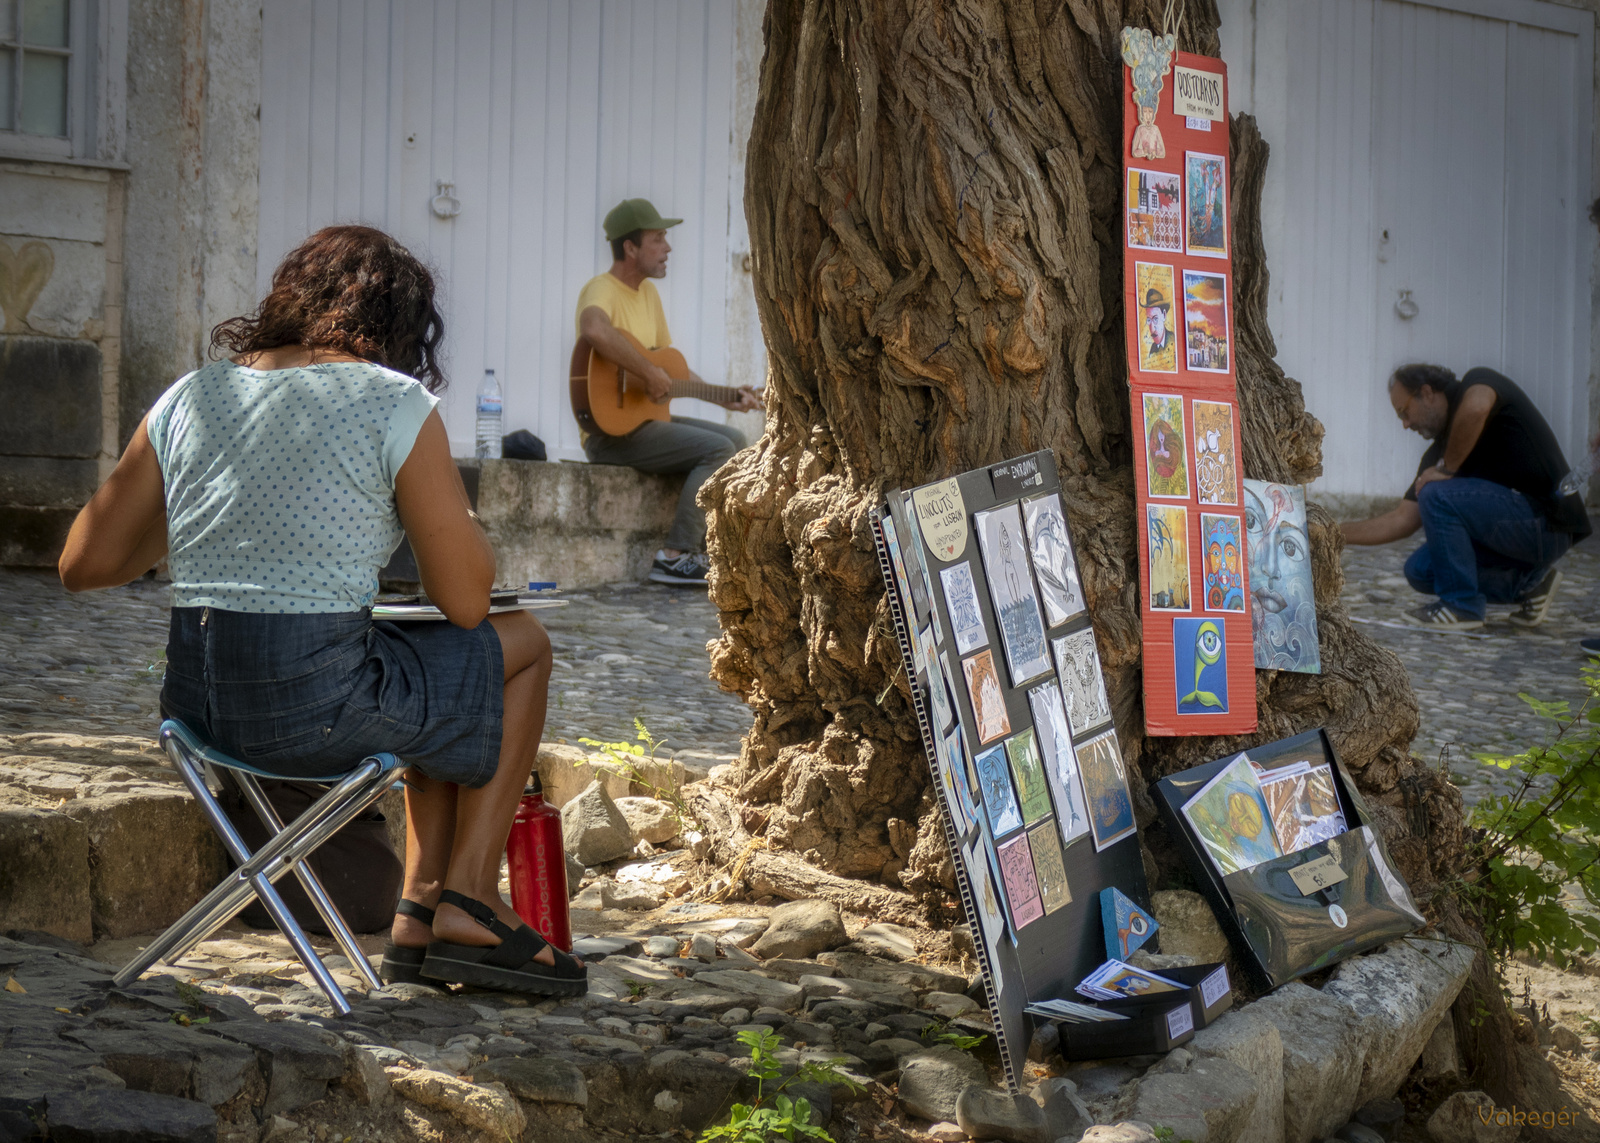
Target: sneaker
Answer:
[[1534, 606], [1441, 616], [687, 570], [1591, 645]]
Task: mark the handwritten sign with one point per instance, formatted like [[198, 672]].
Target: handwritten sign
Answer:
[[1196, 94], [1016, 477], [1316, 875], [942, 516], [1179, 1021]]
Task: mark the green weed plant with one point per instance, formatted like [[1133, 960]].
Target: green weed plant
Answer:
[[775, 1115], [636, 761], [1537, 844]]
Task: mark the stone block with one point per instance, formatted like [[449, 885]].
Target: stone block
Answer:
[[112, 1115], [650, 819], [33, 537], [50, 389], [295, 1060], [1251, 1042], [45, 856], [55, 202], [1188, 926], [800, 929], [1324, 1049], [490, 1108], [564, 771], [1212, 1102], [931, 1082], [1401, 992], [48, 481], [1441, 1059], [593, 829], [538, 1079], [152, 856], [987, 1113], [1472, 1117]]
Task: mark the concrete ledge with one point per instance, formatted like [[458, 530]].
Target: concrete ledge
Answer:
[[581, 525]]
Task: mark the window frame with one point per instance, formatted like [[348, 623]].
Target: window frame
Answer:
[[83, 19]]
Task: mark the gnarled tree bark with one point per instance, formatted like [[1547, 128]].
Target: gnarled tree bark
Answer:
[[935, 213]]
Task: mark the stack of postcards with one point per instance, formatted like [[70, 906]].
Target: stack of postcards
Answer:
[[1072, 1012], [1116, 980]]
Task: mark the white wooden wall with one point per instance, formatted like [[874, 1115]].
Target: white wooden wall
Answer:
[[544, 115], [1439, 148]]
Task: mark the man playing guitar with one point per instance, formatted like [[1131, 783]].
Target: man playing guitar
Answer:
[[624, 300]]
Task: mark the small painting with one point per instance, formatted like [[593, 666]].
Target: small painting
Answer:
[[917, 568], [988, 700], [1011, 591], [1048, 867], [1224, 563], [1155, 210], [1105, 783], [902, 580], [1158, 337], [1206, 212], [1032, 789], [1022, 884], [1166, 462], [994, 787], [961, 776], [966, 617], [1083, 690], [985, 893], [1229, 815], [1060, 763], [1205, 321], [1053, 561], [1216, 468], [1283, 622], [950, 771], [1167, 531], [940, 707], [1200, 665]]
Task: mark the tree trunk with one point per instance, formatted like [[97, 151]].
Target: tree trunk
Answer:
[[935, 212]]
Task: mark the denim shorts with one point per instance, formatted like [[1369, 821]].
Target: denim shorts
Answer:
[[311, 695]]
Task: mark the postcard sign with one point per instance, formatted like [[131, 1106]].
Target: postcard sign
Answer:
[[943, 517], [1200, 631]]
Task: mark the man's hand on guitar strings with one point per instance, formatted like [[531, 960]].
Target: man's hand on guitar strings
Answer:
[[746, 400]]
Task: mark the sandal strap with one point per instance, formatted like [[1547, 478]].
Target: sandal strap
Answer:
[[407, 908], [517, 949], [479, 912]]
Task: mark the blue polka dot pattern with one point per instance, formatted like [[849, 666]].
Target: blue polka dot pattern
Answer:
[[280, 483]]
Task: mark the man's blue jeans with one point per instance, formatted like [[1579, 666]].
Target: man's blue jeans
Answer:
[[1486, 544]]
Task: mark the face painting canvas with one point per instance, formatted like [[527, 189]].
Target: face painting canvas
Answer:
[[1158, 329], [1284, 618], [1167, 533], [1166, 462], [1105, 782], [988, 701], [994, 787], [1032, 790], [1205, 321], [1011, 590], [1060, 763], [1053, 561], [1216, 472], [1049, 869], [966, 617], [1206, 211], [1083, 690], [1229, 815], [1224, 562], [1200, 665], [1155, 210], [1022, 884], [991, 911]]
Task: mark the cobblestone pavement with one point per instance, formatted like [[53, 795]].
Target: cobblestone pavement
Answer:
[[1467, 684], [92, 663]]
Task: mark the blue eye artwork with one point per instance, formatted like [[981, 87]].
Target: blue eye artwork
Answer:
[[1200, 665]]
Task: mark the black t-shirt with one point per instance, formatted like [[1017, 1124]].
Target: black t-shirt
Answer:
[[1516, 449]]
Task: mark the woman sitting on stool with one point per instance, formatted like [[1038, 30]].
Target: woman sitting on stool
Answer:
[[277, 483]]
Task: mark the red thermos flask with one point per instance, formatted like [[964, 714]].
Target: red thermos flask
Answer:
[[539, 867]]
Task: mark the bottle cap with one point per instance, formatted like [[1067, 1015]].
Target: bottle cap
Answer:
[[534, 786]]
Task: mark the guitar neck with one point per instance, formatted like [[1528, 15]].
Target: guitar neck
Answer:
[[700, 390]]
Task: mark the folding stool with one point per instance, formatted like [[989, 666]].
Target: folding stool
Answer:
[[286, 849]]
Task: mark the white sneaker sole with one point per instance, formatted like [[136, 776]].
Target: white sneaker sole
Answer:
[[675, 581]]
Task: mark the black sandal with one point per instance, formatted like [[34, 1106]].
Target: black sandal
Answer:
[[403, 965], [508, 966]]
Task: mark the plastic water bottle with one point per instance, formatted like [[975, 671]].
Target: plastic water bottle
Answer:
[[489, 418], [1575, 480]]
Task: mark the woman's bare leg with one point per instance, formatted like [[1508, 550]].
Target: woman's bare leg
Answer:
[[455, 835]]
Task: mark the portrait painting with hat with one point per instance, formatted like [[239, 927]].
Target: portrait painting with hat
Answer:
[[1158, 345]]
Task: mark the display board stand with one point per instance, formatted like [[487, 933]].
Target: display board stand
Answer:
[[966, 561]]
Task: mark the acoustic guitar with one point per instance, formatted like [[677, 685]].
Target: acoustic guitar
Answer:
[[608, 399]]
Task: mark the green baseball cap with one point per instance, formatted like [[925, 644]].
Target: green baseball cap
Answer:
[[634, 214]]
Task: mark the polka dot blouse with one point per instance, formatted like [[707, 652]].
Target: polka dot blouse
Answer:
[[280, 483]]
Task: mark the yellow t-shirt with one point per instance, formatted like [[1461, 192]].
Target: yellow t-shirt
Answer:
[[638, 311]]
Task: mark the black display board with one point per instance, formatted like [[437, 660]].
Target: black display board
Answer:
[[925, 538], [1282, 930]]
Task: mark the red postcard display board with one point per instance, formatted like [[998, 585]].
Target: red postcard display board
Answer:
[[1199, 663]]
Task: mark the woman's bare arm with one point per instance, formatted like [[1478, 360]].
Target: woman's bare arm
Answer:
[[453, 555], [122, 531]]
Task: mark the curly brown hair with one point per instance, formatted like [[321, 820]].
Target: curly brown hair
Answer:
[[353, 289]]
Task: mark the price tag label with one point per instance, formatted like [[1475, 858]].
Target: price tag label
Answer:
[[1214, 987], [1317, 874], [1179, 1021]]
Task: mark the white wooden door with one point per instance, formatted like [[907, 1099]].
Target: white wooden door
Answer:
[[542, 116], [1443, 150]]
